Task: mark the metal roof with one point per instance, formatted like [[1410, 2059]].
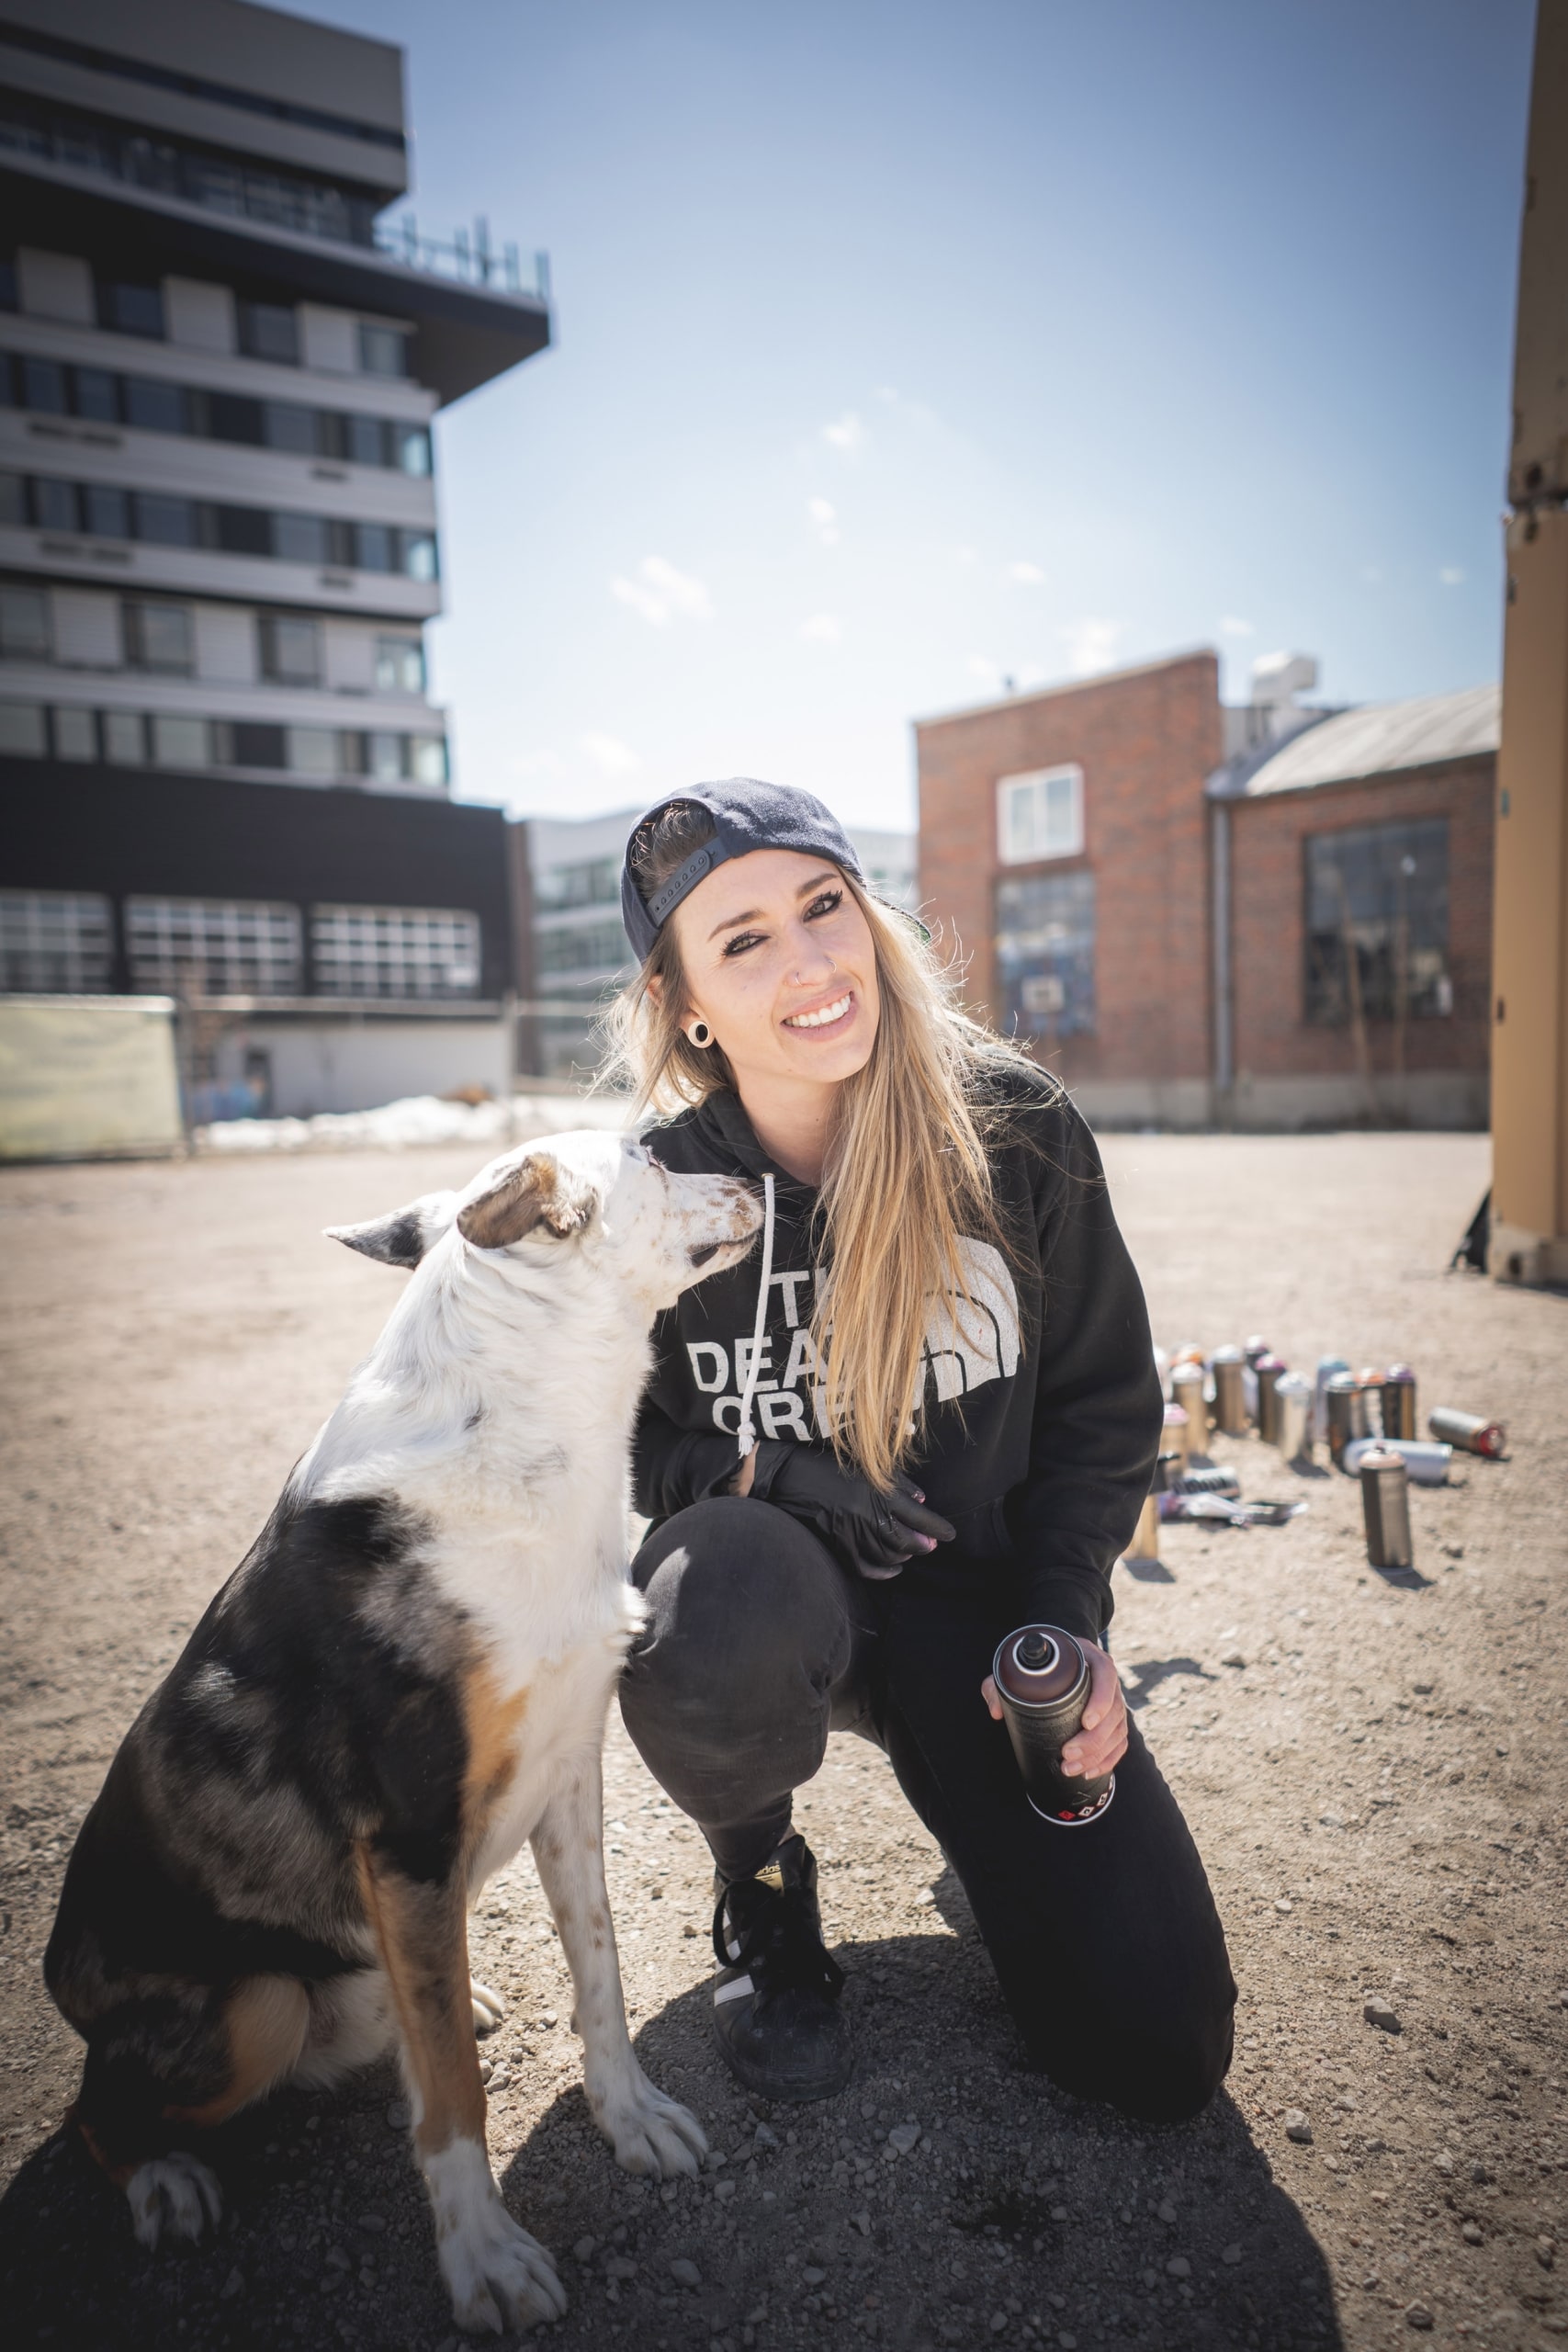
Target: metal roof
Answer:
[[1376, 739]]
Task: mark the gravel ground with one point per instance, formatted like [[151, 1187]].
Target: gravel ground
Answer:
[[1373, 1770]]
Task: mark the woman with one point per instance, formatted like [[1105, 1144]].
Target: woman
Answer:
[[929, 1415]]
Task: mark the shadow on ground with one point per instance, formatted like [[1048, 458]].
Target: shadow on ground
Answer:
[[1020, 2216]]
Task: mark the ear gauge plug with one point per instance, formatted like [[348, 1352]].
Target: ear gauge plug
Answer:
[[701, 1035]]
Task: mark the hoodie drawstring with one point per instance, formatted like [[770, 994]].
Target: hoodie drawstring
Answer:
[[748, 1433]]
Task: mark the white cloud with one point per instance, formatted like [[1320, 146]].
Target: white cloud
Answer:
[[1451, 576], [610, 755], [823, 628], [1090, 644], [1231, 626], [661, 594], [825, 520], [845, 433], [1028, 575]]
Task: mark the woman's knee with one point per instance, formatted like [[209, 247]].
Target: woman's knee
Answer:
[[738, 1590]]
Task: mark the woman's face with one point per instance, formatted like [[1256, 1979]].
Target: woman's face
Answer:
[[779, 961]]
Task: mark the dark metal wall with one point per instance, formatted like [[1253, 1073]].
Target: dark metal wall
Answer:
[[122, 831]]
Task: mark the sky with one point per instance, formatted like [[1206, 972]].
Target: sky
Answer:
[[905, 349]]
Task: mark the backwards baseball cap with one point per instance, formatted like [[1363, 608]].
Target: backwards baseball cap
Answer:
[[746, 815]]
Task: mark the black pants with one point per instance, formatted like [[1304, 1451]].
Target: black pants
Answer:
[[1105, 1937]]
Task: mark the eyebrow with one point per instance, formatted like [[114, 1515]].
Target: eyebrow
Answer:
[[815, 882]]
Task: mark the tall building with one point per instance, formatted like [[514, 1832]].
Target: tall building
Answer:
[[219, 546]]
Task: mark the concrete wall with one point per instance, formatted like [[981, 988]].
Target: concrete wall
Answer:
[[1291, 1072], [326, 1065], [1146, 740]]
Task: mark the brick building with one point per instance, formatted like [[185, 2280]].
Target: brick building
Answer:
[[1271, 916]]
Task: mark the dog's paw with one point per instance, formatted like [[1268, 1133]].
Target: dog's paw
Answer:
[[177, 2193], [489, 2008], [649, 2132], [499, 2277]]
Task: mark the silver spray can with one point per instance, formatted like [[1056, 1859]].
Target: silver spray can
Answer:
[[1186, 1390], [1292, 1417], [1269, 1372], [1385, 1509], [1230, 1397], [1328, 1366], [1042, 1682]]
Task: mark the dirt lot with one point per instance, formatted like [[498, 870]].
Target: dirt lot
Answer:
[[1378, 1790]]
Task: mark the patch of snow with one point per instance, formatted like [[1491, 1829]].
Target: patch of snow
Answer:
[[418, 1119]]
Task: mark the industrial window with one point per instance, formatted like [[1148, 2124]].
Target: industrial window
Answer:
[[1377, 923], [1040, 815], [24, 633], [22, 734], [394, 951], [165, 521], [400, 665], [581, 947], [43, 386], [180, 742], [159, 636], [383, 351], [106, 512], [54, 506], [125, 739], [212, 946], [1046, 939], [100, 396], [75, 734], [290, 649], [55, 945], [311, 750], [153, 406], [586, 882], [130, 309], [270, 330]]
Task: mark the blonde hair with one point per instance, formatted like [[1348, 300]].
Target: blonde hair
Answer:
[[909, 1173]]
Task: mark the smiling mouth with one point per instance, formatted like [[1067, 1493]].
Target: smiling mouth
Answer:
[[824, 1017]]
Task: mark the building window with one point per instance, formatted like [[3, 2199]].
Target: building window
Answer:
[[95, 395], [293, 429], [411, 443], [377, 544], [581, 947], [180, 742], [394, 951], [427, 758], [290, 650], [55, 945], [163, 521], [25, 634], [419, 555], [212, 947], [108, 511], [43, 386], [270, 330], [160, 637], [1377, 923], [153, 407], [312, 751], [383, 351], [22, 732], [1040, 816], [132, 309], [587, 882], [1045, 938], [54, 506], [254, 743], [14, 501], [75, 734], [400, 665], [125, 739], [300, 538]]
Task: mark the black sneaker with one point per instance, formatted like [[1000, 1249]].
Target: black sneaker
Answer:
[[775, 2014]]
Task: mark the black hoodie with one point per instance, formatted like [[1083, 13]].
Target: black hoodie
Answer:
[[1043, 1407]]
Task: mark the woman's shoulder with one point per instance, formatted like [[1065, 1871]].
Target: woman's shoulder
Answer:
[[1002, 1082]]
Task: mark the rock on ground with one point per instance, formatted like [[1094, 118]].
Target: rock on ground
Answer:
[[1375, 1780]]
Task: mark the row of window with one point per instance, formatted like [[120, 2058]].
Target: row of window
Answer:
[[586, 882], [581, 947], [147, 405], [135, 738], [161, 518], [88, 143], [1376, 935], [159, 634], [61, 944]]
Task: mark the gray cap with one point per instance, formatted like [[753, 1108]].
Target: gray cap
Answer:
[[747, 815]]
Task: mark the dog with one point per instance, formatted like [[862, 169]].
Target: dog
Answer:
[[406, 1676]]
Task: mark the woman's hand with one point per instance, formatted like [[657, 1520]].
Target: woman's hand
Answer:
[[1100, 1741]]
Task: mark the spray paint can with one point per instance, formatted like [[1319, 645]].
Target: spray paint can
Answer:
[[1369, 1381], [1399, 1401], [1145, 1543], [1327, 1368], [1255, 1350], [1469, 1432], [1385, 1509], [1041, 1679], [1292, 1417], [1426, 1465], [1346, 1411], [1228, 1365], [1186, 1390], [1177, 1438], [1270, 1370]]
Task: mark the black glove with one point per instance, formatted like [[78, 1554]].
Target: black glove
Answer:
[[865, 1530]]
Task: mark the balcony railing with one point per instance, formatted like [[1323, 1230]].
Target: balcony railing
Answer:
[[472, 260]]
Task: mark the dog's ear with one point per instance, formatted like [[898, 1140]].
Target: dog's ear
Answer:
[[537, 1192], [402, 1238]]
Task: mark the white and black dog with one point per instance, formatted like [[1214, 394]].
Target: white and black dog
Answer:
[[406, 1676]]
